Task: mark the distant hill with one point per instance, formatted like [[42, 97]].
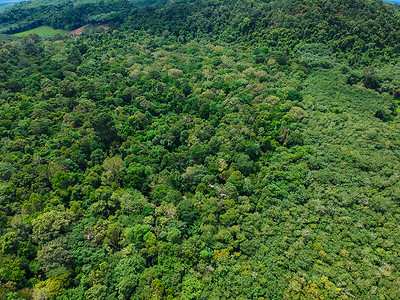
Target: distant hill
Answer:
[[8, 4], [5, 4], [62, 14], [18, 16], [57, 2]]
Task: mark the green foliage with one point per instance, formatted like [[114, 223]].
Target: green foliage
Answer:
[[136, 176], [104, 128], [201, 150], [10, 270], [55, 254], [50, 225]]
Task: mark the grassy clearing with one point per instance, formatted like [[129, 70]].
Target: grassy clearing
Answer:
[[43, 31]]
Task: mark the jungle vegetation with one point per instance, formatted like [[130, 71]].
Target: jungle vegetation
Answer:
[[206, 149]]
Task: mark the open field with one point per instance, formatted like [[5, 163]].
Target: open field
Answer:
[[43, 31]]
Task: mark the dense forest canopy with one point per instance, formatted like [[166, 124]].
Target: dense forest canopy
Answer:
[[206, 149]]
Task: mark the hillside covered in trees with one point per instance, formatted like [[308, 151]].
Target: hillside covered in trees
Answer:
[[208, 149]]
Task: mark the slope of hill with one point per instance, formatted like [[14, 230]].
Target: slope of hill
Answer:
[[66, 14], [202, 150], [5, 4]]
